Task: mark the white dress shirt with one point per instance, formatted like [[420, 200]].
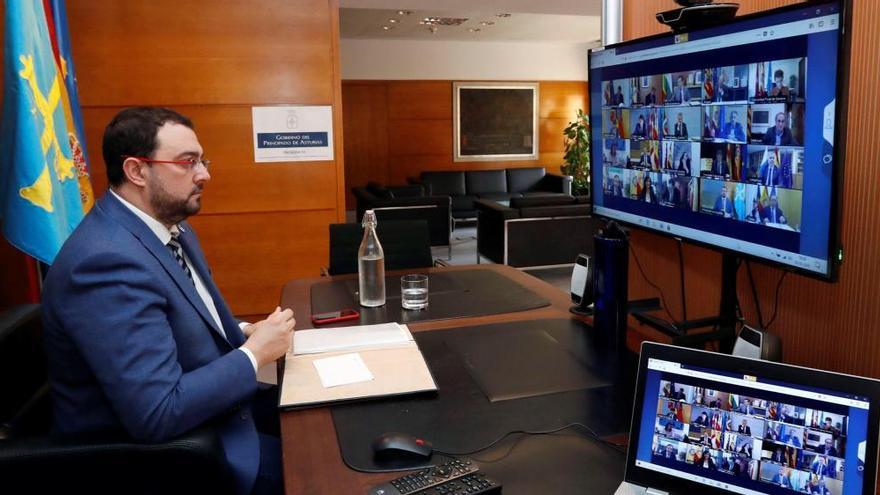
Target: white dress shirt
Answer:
[[164, 235]]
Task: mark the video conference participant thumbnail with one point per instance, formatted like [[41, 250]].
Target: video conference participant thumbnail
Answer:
[[722, 161], [678, 191], [775, 166], [778, 80], [617, 92], [777, 124], [724, 199], [682, 123], [726, 123], [681, 158], [650, 90], [645, 154], [615, 152], [774, 207], [731, 84], [615, 181], [644, 123], [684, 87], [615, 123]]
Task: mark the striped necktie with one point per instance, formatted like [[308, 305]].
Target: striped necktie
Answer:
[[177, 251]]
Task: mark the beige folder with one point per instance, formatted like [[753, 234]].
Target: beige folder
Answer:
[[396, 370]]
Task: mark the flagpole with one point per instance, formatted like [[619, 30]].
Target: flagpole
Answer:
[[34, 280]]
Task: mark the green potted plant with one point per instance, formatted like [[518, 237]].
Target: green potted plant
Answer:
[[577, 153]]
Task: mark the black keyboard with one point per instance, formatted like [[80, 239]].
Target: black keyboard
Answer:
[[454, 477]]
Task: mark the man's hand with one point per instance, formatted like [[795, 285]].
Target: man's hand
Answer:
[[270, 339]]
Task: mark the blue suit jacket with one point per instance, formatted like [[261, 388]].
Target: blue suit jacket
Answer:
[[726, 208], [131, 346]]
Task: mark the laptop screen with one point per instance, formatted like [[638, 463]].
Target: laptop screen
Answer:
[[736, 430]]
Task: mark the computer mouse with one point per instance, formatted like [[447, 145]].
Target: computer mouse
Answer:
[[395, 444]]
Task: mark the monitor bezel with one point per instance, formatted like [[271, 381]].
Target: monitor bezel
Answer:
[[841, 106], [830, 380]]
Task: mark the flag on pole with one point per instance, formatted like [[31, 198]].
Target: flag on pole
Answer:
[[60, 37], [44, 183], [667, 87], [787, 178], [668, 150], [708, 86], [655, 156]]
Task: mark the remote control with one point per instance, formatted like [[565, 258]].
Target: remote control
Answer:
[[475, 483], [426, 478]]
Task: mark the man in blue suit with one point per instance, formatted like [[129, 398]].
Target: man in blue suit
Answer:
[[138, 338], [723, 204], [769, 173], [733, 130]]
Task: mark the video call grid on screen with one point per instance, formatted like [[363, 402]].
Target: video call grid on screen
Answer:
[[721, 148], [753, 441], [693, 127]]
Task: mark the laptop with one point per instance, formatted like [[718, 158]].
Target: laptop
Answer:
[[706, 423]]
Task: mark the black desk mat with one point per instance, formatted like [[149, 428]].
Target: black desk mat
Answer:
[[559, 464], [452, 294], [462, 418]]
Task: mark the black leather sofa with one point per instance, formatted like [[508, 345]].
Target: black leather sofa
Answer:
[[464, 187], [534, 231], [407, 203]]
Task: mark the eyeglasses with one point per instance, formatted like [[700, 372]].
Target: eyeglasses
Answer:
[[192, 163]]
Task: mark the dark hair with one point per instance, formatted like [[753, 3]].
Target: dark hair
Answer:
[[132, 132], [778, 73]]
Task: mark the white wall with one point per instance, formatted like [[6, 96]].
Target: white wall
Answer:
[[463, 60]]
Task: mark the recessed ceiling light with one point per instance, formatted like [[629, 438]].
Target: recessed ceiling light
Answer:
[[393, 21], [473, 30], [502, 15], [487, 23], [443, 21], [387, 28], [404, 12]]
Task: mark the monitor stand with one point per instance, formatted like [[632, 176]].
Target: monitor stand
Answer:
[[722, 327]]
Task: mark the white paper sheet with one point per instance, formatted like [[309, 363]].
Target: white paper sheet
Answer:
[[351, 338], [342, 370]]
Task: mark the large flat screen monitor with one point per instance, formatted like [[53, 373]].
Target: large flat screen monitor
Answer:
[[727, 136], [710, 423]]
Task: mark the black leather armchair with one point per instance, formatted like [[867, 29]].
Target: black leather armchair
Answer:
[[32, 460], [393, 203], [534, 231]]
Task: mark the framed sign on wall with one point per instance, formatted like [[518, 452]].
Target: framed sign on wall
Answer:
[[495, 121]]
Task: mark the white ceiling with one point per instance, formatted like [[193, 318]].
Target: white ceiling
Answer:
[[368, 24], [557, 7], [575, 21]]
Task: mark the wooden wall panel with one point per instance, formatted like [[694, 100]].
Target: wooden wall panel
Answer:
[[419, 129], [266, 251], [420, 100], [179, 52], [261, 224], [366, 143], [823, 325]]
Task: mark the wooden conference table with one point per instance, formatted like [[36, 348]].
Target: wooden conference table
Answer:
[[311, 457]]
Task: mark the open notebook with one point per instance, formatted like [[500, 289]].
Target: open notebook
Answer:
[[393, 360]]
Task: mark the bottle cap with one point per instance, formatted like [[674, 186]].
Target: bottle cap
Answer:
[[369, 218]]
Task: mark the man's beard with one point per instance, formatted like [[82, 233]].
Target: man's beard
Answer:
[[170, 210]]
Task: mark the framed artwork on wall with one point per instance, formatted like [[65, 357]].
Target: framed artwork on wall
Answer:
[[495, 121]]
